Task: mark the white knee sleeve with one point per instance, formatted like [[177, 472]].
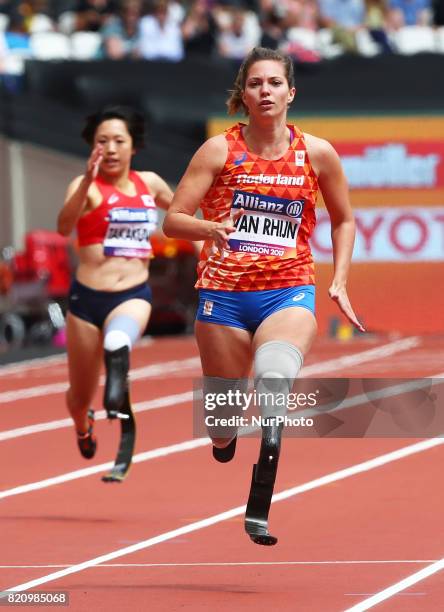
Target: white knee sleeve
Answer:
[[276, 365], [121, 331]]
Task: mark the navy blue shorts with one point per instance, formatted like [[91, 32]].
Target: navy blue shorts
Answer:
[[247, 309], [94, 306]]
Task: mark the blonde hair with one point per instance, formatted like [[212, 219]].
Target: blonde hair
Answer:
[[234, 102]]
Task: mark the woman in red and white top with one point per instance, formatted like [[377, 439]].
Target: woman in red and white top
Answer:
[[114, 211]]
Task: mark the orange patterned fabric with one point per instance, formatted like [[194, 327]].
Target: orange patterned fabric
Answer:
[[270, 247]]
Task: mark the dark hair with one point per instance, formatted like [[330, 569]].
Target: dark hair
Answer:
[[134, 121], [257, 54]]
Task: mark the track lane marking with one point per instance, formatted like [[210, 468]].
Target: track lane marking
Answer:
[[396, 588], [237, 564], [319, 368], [358, 468], [151, 371], [189, 445], [169, 367]]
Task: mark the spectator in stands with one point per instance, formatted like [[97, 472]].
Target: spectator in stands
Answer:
[[272, 28], [160, 35], [344, 17], [16, 35], [409, 12], [300, 14], [199, 29], [376, 21], [91, 15], [3, 52], [236, 39], [120, 32]]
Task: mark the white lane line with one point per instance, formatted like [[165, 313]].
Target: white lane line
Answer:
[[159, 402], [358, 468], [360, 399], [42, 362], [237, 564], [379, 352], [319, 368], [398, 587], [156, 369], [169, 367], [155, 453]]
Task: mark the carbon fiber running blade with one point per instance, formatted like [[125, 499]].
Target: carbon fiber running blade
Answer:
[[125, 451], [258, 508]]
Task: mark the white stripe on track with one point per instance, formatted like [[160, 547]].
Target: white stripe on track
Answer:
[[155, 453], [319, 368], [353, 401], [159, 402], [398, 587], [379, 352], [236, 563], [234, 512], [156, 369], [42, 362]]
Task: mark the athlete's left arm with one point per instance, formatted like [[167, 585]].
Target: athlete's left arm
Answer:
[[334, 189], [159, 189]]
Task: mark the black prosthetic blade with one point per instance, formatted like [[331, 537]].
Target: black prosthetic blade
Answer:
[[125, 451], [262, 486], [258, 508]]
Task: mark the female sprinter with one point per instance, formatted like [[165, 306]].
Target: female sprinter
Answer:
[[114, 211], [257, 186]]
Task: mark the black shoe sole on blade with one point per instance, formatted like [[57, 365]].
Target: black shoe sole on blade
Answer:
[[226, 454]]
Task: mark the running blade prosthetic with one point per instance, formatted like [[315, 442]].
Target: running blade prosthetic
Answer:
[[262, 485], [116, 383], [127, 441]]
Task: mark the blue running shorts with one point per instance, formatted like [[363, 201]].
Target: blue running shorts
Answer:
[[247, 309]]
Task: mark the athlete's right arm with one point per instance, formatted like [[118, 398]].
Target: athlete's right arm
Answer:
[[180, 222], [77, 195]]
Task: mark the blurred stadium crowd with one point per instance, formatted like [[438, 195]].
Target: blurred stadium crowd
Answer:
[[310, 30]]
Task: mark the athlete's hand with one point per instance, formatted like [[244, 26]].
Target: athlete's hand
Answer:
[[221, 232], [338, 294], [94, 161]]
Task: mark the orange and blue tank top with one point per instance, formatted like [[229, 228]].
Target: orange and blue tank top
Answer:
[[270, 248], [121, 222]]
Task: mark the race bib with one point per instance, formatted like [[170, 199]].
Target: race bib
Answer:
[[269, 225], [128, 232]]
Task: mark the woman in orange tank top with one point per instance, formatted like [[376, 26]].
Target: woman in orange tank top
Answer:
[[257, 186], [114, 210]]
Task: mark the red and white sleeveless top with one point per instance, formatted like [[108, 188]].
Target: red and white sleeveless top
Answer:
[[270, 247], [121, 222]]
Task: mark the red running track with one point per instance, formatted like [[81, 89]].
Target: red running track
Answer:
[[341, 539]]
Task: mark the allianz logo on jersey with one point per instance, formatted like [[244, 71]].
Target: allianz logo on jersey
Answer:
[[266, 203], [270, 179], [128, 215]]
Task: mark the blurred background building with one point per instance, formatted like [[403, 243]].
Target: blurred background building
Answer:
[[369, 79]]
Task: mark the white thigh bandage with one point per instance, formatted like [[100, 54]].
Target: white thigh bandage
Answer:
[[276, 365]]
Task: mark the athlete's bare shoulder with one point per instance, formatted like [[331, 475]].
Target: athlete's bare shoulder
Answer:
[[212, 154], [321, 153]]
